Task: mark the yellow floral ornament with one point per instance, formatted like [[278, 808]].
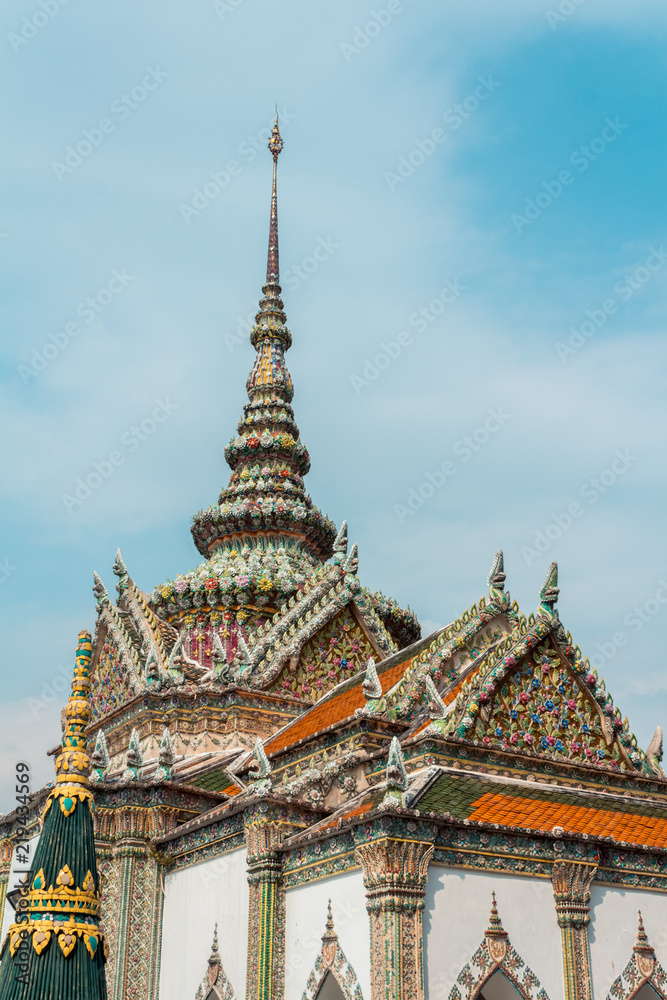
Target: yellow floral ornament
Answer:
[[67, 940], [92, 943], [40, 939], [15, 938], [39, 881], [65, 877], [89, 883]]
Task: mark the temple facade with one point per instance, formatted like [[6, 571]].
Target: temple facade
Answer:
[[299, 796]]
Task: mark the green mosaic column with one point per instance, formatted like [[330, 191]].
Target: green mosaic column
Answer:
[[395, 873], [264, 833], [138, 924], [571, 883]]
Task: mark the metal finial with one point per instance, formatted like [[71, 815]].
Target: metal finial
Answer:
[[275, 140], [273, 264]]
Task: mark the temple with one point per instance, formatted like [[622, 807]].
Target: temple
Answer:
[[298, 796]]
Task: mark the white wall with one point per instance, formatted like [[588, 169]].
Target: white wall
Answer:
[[14, 881], [613, 931], [458, 905], [306, 917], [195, 898]]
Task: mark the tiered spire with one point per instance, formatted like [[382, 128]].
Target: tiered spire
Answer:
[[265, 506], [56, 948], [495, 928], [643, 946]]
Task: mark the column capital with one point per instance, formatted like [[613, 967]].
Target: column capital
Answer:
[[572, 892], [395, 873], [264, 834]]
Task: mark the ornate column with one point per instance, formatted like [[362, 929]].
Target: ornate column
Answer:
[[136, 963], [571, 883], [395, 874], [264, 833], [132, 895]]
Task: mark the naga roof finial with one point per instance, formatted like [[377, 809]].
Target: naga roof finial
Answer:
[[100, 757], [260, 775], [340, 545], [371, 686], [397, 778], [549, 592], [496, 578], [654, 751]]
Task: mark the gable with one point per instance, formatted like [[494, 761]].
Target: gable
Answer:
[[338, 650], [451, 656], [113, 683], [543, 704]]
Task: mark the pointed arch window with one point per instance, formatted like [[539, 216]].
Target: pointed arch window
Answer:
[[215, 985], [496, 971], [643, 978], [332, 976]]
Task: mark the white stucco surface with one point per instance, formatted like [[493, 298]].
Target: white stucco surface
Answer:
[[613, 931], [195, 899], [457, 911], [15, 877], [306, 916]]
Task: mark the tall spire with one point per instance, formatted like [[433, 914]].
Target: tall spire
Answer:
[[265, 508], [272, 263], [57, 949]]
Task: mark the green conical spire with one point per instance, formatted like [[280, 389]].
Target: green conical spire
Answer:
[[56, 950]]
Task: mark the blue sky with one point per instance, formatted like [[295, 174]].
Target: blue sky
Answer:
[[364, 91]]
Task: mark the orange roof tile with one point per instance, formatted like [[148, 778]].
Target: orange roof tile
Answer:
[[331, 710], [358, 811], [231, 790], [536, 814]]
